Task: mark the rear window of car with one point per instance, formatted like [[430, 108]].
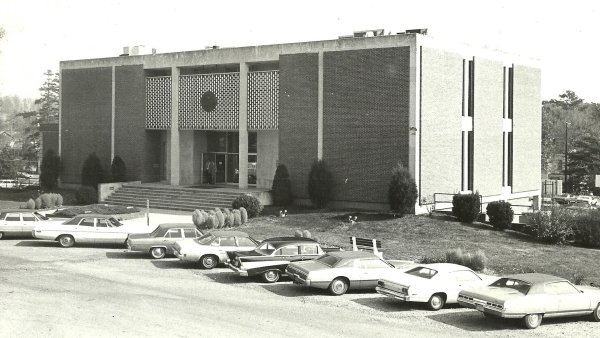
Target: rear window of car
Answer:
[[423, 272], [40, 216], [205, 240], [329, 260], [511, 283]]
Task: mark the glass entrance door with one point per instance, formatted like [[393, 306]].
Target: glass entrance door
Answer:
[[221, 162], [220, 176]]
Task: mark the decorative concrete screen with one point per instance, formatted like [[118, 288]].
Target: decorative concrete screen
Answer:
[[263, 100], [158, 102], [209, 101]]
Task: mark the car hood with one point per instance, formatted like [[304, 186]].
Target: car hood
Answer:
[[588, 289], [310, 265], [493, 294], [139, 236], [186, 244], [243, 254]]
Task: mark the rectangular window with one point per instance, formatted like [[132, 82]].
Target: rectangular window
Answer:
[[470, 146], [510, 92], [471, 107], [510, 159]]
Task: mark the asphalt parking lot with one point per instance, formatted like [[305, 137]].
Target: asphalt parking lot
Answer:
[[103, 291]]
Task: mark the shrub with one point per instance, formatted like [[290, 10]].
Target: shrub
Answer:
[[250, 203], [220, 218], [476, 262], [243, 215], [500, 214], [298, 233], [431, 260], [320, 184], [46, 201], [211, 221], [466, 207], [553, 226], [118, 170], [586, 229], [306, 234], [198, 218], [30, 204], [52, 199], [402, 192], [282, 187], [86, 195], [38, 203], [92, 172], [237, 218], [49, 170], [59, 200], [229, 219]]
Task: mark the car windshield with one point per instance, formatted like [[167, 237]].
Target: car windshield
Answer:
[[114, 222], [329, 260], [516, 284], [40, 216], [423, 272], [205, 240], [265, 248]]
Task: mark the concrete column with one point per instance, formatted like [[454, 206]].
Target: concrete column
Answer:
[[59, 116], [320, 109], [243, 127], [465, 129], [112, 117], [414, 119], [174, 131]]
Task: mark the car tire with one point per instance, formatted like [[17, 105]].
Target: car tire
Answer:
[[338, 286], [209, 261], [596, 313], [271, 276], [1, 234], [66, 241], [533, 320], [158, 252], [436, 301]]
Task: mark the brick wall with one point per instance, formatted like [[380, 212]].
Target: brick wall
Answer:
[[365, 119], [130, 118], [298, 100], [487, 126], [526, 129], [86, 119], [441, 114]]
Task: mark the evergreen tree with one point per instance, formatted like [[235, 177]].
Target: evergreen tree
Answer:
[[402, 192], [118, 170], [50, 170], [92, 172]]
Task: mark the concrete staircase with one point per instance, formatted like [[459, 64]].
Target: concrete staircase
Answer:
[[172, 198]]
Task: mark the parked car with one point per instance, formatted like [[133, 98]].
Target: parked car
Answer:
[[435, 284], [9, 184], [531, 297], [270, 258], [565, 199], [211, 248], [590, 200], [87, 228], [340, 271], [19, 222], [160, 242]]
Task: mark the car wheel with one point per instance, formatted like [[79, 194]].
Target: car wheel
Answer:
[[209, 261], [158, 253], [1, 234], [338, 286], [271, 276], [532, 321], [436, 302], [66, 241], [596, 313]]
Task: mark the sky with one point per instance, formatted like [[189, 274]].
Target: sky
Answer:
[[563, 35]]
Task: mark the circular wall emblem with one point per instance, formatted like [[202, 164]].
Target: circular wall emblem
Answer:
[[208, 101]]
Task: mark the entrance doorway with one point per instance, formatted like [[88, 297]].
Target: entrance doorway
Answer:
[[220, 164]]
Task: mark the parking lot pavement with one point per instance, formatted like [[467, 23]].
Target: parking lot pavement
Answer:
[[103, 291]]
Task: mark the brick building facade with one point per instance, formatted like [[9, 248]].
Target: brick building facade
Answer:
[[460, 118]]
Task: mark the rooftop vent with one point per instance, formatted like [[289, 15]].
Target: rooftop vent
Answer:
[[137, 50], [212, 47], [417, 31]]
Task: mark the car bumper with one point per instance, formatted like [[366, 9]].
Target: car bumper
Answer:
[[236, 269], [489, 310], [392, 293], [298, 280]]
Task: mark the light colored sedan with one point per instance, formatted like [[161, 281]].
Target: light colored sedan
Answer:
[[160, 242], [435, 284], [19, 222], [87, 228], [340, 271], [211, 249], [531, 297]]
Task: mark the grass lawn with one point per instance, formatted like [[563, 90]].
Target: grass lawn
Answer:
[[12, 198], [415, 237]]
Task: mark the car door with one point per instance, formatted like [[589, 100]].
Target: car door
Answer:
[[85, 231], [287, 253], [563, 297], [170, 237], [191, 233], [458, 281], [244, 244], [370, 271], [29, 222], [12, 223]]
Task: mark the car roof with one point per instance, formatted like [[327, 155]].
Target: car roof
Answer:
[[228, 233], [176, 225], [279, 241], [536, 278], [93, 215], [18, 210], [446, 267], [352, 254]]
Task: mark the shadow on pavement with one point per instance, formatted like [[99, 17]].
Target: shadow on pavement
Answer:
[[475, 321], [387, 304], [44, 243], [226, 276], [126, 255], [40, 244], [172, 264], [292, 290]]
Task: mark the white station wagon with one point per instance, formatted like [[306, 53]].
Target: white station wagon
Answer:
[[88, 228], [19, 222]]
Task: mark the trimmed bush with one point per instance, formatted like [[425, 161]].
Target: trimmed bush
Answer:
[[49, 170], [86, 195], [282, 187], [229, 219], [237, 218], [250, 203], [211, 221], [59, 200], [92, 173], [118, 170], [38, 203], [198, 218], [46, 201], [476, 262], [402, 192], [220, 218], [500, 214], [320, 184], [306, 234], [298, 233], [586, 228], [466, 207], [243, 215], [554, 226], [30, 204]]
